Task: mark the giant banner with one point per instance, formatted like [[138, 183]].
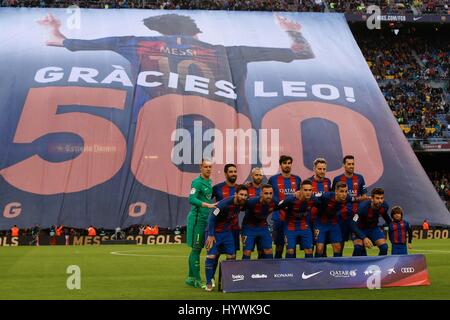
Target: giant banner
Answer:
[[105, 114]]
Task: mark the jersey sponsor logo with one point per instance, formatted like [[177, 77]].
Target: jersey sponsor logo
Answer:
[[193, 191], [307, 276], [216, 212], [237, 277]]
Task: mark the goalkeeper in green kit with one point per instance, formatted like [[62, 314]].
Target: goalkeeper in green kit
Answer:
[[197, 220]]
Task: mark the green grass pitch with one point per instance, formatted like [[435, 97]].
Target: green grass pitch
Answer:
[[158, 272]]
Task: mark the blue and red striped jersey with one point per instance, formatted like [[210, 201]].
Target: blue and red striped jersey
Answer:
[[320, 187], [221, 219], [331, 210], [400, 231], [256, 213], [283, 187], [222, 191], [367, 217], [356, 187], [254, 191], [298, 213], [356, 184]]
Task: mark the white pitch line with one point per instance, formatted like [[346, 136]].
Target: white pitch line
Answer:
[[432, 251], [121, 253], [126, 253]]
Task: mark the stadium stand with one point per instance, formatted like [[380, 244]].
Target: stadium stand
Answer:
[[441, 182], [411, 69], [391, 7]]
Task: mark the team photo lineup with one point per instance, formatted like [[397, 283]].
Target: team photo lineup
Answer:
[[310, 213], [224, 150]]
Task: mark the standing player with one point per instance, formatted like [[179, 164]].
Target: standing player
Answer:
[[399, 232], [326, 224], [200, 200], [365, 224], [254, 190], [298, 220], [227, 189], [254, 187], [283, 184], [220, 238], [224, 190], [320, 185], [255, 226], [356, 189], [355, 182]]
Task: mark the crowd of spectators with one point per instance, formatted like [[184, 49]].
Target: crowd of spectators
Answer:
[[407, 55], [348, 6], [417, 105], [253, 5], [441, 182], [412, 69], [435, 58], [391, 7], [133, 230]]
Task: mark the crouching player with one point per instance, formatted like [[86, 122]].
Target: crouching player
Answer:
[[399, 230], [365, 224], [255, 226], [298, 220], [326, 224], [220, 237]]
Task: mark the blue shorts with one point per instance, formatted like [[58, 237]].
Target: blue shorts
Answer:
[[346, 231], [374, 234], [330, 232], [306, 239], [278, 233], [399, 248], [250, 236], [224, 244], [257, 245]]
